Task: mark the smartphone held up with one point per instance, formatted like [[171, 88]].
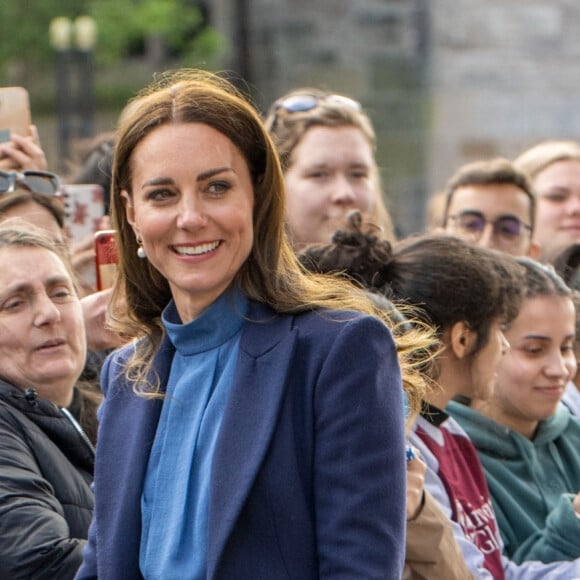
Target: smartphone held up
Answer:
[[106, 258], [14, 112]]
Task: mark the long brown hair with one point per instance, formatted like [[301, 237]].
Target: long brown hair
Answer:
[[271, 274]]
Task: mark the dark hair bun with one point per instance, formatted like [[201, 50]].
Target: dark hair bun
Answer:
[[355, 251]]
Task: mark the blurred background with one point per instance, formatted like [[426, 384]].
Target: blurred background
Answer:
[[445, 81]]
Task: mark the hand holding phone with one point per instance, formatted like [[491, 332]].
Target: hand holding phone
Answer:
[[106, 258], [23, 153], [14, 112]]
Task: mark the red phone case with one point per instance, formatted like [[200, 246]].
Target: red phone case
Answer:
[[106, 258]]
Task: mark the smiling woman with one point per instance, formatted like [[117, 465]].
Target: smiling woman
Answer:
[[527, 442], [259, 443], [46, 462]]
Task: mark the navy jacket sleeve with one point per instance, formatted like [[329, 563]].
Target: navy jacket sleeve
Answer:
[[359, 462], [88, 569]]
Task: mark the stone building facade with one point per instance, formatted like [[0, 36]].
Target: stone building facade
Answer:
[[445, 81]]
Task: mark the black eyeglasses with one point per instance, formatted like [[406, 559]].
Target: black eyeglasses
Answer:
[[303, 103], [36, 181], [472, 223]]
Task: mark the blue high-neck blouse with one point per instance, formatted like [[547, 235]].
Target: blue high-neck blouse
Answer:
[[175, 499]]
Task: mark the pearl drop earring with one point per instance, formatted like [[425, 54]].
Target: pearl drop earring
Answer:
[[141, 252]]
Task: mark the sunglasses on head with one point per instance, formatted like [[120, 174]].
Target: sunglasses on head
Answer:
[[35, 181], [473, 223], [303, 103]]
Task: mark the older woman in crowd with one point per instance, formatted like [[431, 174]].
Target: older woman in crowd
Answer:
[[47, 417], [34, 197]]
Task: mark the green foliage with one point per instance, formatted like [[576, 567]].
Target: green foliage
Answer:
[[24, 27], [122, 25], [204, 50]]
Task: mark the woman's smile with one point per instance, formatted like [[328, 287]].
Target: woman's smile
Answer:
[[196, 249]]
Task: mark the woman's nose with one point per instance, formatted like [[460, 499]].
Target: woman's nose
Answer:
[[46, 311], [191, 214], [557, 366], [344, 193], [573, 204]]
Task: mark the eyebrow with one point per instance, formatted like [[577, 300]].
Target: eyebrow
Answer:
[[201, 177], [546, 338], [26, 286], [485, 215], [330, 164], [555, 188]]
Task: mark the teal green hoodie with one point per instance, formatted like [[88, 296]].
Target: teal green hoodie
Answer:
[[532, 483]]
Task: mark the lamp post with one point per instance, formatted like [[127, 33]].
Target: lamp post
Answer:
[[74, 43], [86, 39], [60, 33]]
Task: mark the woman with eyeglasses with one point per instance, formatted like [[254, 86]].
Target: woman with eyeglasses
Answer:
[[326, 144], [47, 414]]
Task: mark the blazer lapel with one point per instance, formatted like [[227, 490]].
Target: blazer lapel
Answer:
[[266, 349]]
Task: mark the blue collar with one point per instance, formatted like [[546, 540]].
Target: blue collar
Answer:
[[215, 325]]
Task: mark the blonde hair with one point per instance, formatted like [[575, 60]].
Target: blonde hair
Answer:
[[271, 274], [537, 158], [287, 129]]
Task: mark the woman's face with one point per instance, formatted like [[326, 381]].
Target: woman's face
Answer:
[[558, 212], [331, 172], [485, 365], [533, 374], [42, 334], [191, 207]]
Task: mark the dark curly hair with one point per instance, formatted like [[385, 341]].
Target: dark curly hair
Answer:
[[444, 279]]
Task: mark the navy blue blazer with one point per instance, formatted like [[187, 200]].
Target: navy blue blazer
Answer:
[[308, 476]]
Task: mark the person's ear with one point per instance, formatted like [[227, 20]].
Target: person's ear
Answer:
[[462, 339], [129, 208], [534, 250]]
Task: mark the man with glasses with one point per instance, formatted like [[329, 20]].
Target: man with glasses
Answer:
[[491, 204]]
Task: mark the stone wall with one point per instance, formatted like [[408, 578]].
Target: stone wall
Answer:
[[371, 50], [445, 81], [504, 75]]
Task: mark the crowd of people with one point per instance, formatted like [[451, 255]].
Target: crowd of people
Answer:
[[276, 386]]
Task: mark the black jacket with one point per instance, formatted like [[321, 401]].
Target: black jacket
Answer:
[[46, 468]]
